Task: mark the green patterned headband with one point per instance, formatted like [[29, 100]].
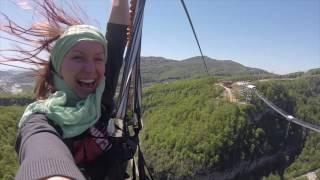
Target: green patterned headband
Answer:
[[70, 37]]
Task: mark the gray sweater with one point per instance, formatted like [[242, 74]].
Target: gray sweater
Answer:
[[42, 151]]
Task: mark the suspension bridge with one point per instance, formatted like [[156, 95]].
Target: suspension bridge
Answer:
[[288, 117]]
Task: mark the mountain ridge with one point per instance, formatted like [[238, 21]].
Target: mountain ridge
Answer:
[[155, 69]]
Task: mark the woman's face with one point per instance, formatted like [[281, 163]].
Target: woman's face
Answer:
[[83, 67]]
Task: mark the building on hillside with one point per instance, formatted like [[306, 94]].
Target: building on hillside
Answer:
[[242, 83], [227, 84], [16, 88]]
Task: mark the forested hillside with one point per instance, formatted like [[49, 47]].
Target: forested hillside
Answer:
[[158, 69], [189, 128], [9, 116], [21, 99], [304, 94], [11, 109], [191, 132]]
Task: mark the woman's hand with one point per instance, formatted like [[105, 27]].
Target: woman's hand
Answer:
[[119, 12]]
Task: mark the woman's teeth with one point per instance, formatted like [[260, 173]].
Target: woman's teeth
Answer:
[[87, 83]]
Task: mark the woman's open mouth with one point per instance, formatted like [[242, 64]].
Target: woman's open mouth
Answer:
[[88, 84]]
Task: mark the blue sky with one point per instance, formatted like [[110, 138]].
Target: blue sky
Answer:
[[280, 36]]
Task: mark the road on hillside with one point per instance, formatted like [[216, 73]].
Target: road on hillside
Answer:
[[310, 175], [228, 92]]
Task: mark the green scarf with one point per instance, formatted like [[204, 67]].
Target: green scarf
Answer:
[[64, 108]]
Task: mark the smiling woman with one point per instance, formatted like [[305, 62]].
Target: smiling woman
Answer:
[[63, 135], [83, 67]]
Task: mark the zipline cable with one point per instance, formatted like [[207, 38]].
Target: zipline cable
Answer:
[[195, 35]]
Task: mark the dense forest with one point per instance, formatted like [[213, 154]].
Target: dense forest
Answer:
[[158, 69], [304, 100], [11, 109], [9, 116], [18, 99], [192, 132]]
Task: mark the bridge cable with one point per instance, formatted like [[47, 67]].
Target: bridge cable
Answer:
[[292, 119]]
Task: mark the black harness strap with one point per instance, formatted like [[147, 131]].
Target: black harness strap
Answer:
[[131, 82]]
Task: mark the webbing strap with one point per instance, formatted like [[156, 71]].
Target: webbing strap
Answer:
[[132, 67], [131, 73]]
